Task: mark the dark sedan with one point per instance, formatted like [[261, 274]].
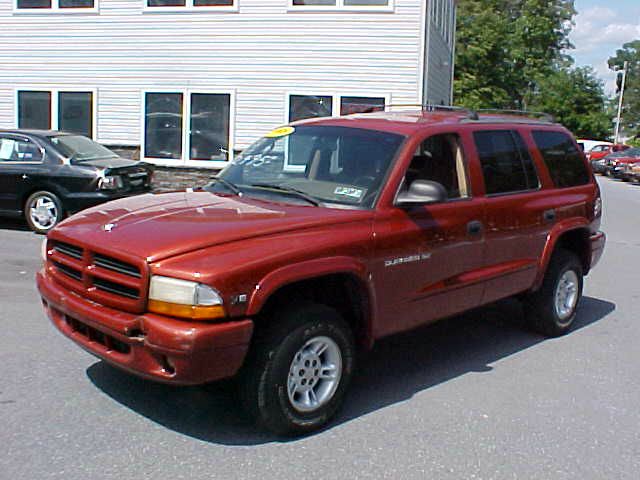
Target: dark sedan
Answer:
[[45, 175]]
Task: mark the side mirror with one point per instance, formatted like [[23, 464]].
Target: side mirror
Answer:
[[421, 192]]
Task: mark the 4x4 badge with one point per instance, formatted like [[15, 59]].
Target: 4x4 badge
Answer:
[[107, 227]]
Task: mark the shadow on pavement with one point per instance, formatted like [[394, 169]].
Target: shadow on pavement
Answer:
[[13, 224], [398, 368]]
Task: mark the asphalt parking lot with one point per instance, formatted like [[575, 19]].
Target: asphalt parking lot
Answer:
[[475, 397]]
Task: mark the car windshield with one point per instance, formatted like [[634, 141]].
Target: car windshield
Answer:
[[315, 164], [80, 149]]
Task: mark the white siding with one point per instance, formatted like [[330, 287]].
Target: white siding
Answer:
[[262, 51]]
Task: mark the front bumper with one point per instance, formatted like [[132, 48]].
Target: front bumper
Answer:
[[598, 241], [151, 346]]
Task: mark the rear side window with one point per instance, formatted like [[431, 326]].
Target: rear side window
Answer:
[[506, 163], [562, 158]]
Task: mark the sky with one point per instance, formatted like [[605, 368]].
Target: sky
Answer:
[[601, 28]]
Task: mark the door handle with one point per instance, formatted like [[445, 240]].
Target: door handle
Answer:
[[474, 227], [549, 215]]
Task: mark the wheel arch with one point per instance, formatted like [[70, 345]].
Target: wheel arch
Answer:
[[338, 282], [574, 237]]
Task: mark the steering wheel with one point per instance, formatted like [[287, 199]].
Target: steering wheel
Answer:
[[364, 180]]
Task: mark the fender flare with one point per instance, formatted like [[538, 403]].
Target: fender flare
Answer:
[[307, 270], [559, 229]]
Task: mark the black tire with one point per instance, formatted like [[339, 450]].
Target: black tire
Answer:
[[266, 373], [541, 310], [46, 222]]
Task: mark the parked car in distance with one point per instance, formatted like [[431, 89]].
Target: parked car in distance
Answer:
[[634, 171], [601, 151], [617, 166], [46, 175], [587, 145], [321, 238]]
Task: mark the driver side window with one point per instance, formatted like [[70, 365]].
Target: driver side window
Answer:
[[440, 159]]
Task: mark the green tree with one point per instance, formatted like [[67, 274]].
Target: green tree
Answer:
[[505, 47], [576, 98], [630, 52]]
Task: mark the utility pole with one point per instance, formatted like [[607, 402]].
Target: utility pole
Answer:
[[624, 81]]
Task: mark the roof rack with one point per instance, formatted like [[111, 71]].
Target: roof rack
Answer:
[[471, 114], [521, 113], [474, 114]]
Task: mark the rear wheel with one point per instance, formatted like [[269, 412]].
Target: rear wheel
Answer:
[[552, 309], [43, 211], [299, 370]]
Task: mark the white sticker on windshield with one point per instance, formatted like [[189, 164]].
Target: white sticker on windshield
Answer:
[[349, 192]]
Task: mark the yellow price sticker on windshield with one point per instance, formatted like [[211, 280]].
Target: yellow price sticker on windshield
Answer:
[[280, 132]]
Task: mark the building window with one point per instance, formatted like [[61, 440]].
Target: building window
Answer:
[[34, 110], [301, 107], [60, 6], [67, 110], [349, 105], [188, 126], [226, 5], [385, 5]]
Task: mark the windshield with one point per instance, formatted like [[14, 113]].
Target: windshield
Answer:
[[338, 165], [79, 148]]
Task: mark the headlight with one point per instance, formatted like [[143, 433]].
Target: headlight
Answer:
[[110, 182], [182, 298]]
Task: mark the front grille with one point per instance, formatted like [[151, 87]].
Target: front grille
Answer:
[[116, 288], [94, 335], [68, 250], [113, 264], [69, 271], [114, 282]]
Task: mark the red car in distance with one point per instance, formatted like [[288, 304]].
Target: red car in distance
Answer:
[[620, 166], [601, 151]]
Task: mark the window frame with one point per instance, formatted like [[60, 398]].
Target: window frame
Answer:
[[55, 105], [189, 7], [341, 7], [56, 9], [184, 160], [336, 102]]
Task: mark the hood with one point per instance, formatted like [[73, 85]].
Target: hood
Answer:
[[156, 227]]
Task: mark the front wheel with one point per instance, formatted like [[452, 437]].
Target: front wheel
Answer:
[[552, 309], [297, 375], [43, 211]]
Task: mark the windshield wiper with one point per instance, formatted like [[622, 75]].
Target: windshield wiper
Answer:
[[231, 186], [289, 190]]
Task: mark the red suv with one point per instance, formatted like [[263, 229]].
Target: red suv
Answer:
[[321, 238]]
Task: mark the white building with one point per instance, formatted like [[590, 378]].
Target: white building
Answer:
[[191, 80]]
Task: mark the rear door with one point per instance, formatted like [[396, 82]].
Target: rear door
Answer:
[[519, 214]]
